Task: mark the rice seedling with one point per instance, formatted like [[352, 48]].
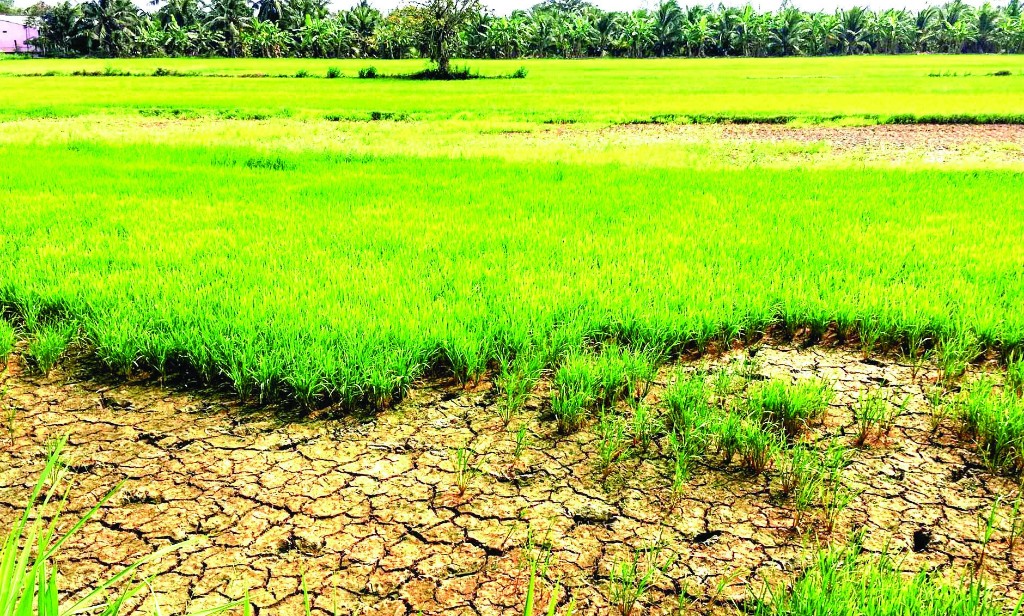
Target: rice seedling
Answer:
[[955, 353], [687, 449], [516, 381], [798, 468], [995, 422], [988, 528], [1016, 521], [846, 580], [611, 443], [630, 580], [461, 459], [868, 412], [522, 440], [7, 340], [1014, 372], [48, 344], [646, 427], [578, 387], [938, 408], [789, 407], [757, 447], [687, 400]]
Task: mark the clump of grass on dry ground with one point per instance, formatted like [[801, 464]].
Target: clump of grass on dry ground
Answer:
[[848, 581]]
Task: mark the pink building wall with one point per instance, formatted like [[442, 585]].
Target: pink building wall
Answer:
[[14, 33]]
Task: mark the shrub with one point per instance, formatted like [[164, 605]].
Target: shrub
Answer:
[[519, 73], [333, 72], [370, 72], [301, 74]]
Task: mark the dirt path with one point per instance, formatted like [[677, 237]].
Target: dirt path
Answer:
[[369, 512]]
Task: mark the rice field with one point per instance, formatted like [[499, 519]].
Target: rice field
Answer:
[[558, 286], [856, 88]]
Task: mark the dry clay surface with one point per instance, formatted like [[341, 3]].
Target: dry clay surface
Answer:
[[367, 509], [883, 144]]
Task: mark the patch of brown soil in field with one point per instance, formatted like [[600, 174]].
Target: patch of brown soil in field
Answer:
[[930, 137], [967, 145], [369, 512]]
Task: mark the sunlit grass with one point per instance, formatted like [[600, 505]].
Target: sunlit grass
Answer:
[[554, 91]]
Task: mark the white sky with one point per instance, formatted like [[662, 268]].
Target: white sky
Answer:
[[503, 7]]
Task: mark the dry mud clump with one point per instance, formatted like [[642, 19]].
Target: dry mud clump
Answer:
[[369, 511]]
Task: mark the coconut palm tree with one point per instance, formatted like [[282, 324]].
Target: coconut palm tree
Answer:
[[229, 18], [110, 25], [668, 28]]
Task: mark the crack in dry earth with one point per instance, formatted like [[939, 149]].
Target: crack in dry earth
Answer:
[[368, 511]]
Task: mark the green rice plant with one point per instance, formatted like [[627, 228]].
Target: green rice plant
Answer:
[[995, 422], [845, 580], [522, 441], [955, 353], [333, 72], [464, 471], [798, 467], [789, 407], [641, 370], [722, 384], [577, 388], [915, 348], [630, 580], [687, 449], [758, 447], [611, 444], [988, 529], [938, 408], [610, 369], [48, 344], [730, 434], [687, 401], [646, 427], [1014, 371], [369, 72], [1016, 521], [833, 494], [516, 381], [868, 412], [7, 340], [307, 381]]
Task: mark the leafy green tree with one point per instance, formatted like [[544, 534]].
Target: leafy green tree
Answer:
[[443, 20], [60, 31]]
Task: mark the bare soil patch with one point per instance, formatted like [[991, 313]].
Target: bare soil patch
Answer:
[[368, 510]]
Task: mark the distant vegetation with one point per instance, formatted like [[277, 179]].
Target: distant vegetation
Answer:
[[554, 28]]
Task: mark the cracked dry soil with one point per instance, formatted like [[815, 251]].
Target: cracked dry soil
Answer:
[[368, 511]]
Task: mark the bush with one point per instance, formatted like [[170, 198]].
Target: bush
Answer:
[[519, 73], [370, 72], [301, 74], [333, 72]]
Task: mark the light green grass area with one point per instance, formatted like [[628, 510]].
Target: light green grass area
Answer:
[[342, 260], [351, 274], [554, 90]]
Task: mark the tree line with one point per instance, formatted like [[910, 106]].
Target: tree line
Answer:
[[554, 28]]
